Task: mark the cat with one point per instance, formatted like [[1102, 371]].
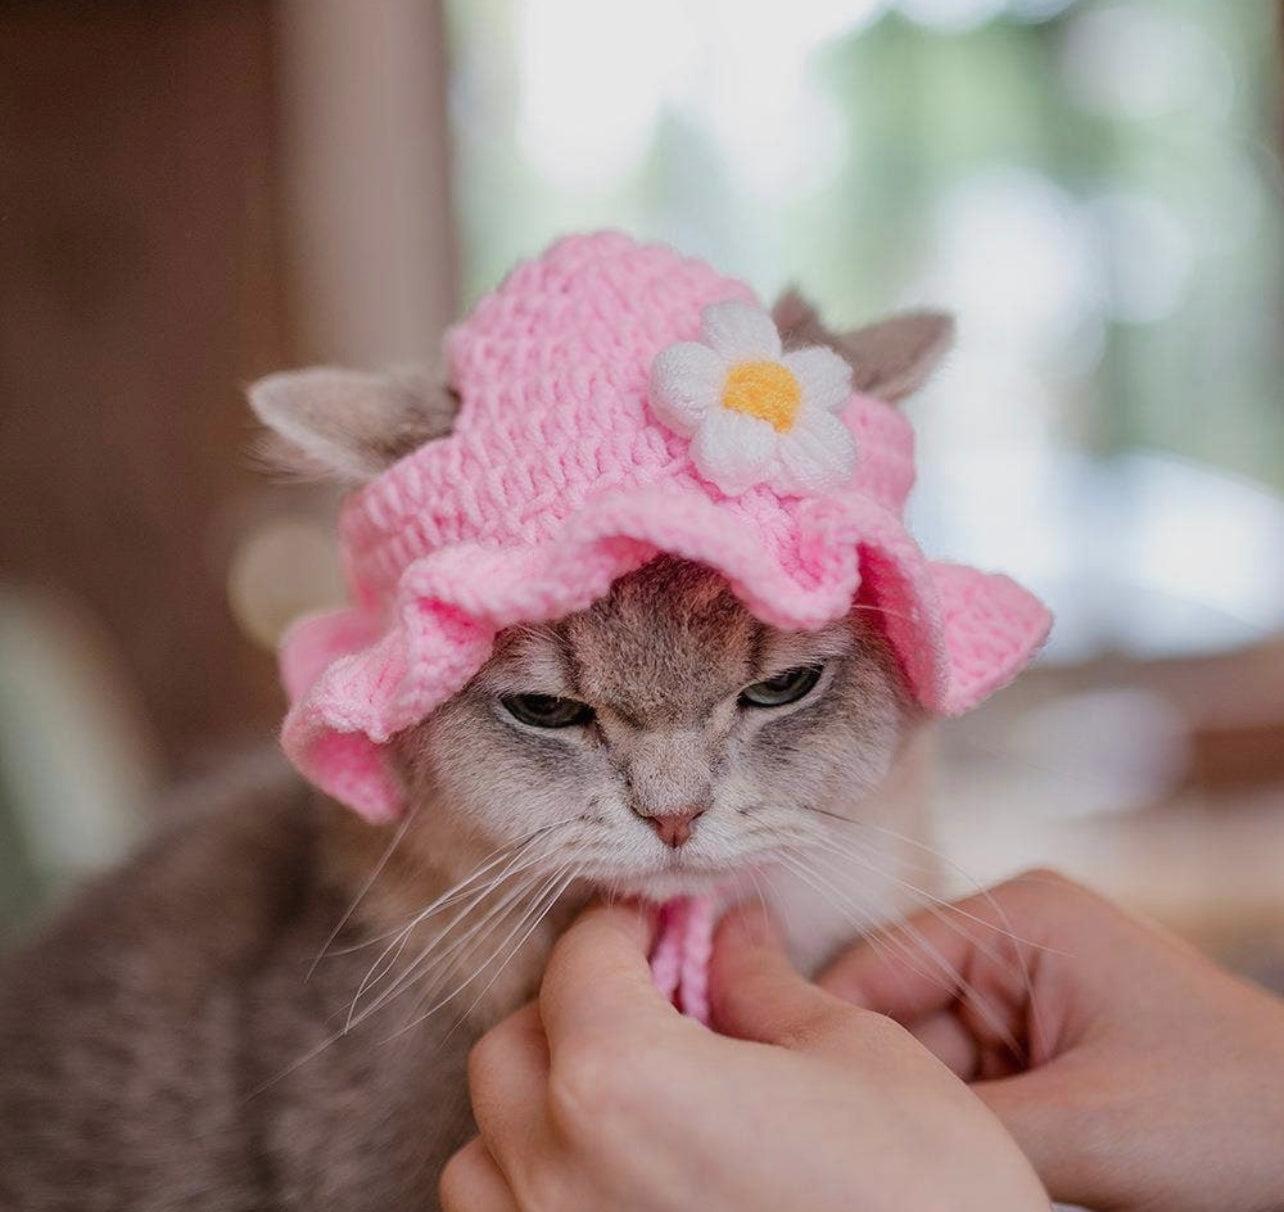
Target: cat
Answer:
[[271, 1006]]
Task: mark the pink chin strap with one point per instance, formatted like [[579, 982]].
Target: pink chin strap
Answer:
[[680, 956]]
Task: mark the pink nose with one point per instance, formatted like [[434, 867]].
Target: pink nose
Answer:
[[674, 828]]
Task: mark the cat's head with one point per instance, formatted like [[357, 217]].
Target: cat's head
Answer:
[[664, 738]]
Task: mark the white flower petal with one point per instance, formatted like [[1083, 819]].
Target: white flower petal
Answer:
[[825, 378], [733, 450], [686, 381], [740, 332], [817, 456]]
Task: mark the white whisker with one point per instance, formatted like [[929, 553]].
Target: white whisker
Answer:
[[365, 888], [944, 970], [430, 954], [549, 892]]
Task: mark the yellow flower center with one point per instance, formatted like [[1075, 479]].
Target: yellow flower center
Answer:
[[766, 390]]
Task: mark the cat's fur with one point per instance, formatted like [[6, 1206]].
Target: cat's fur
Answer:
[[243, 1018]]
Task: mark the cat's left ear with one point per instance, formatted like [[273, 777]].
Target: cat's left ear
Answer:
[[349, 424], [890, 360]]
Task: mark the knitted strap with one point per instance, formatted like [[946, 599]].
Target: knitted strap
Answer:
[[680, 957]]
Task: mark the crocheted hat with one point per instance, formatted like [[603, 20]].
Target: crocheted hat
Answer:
[[618, 401]]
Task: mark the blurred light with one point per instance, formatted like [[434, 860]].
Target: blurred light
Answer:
[[593, 78], [952, 15], [1018, 259], [1131, 553], [811, 23], [1208, 543], [1035, 11], [1137, 61], [596, 79], [1151, 255], [1112, 749], [785, 141], [281, 570], [782, 136], [77, 759]]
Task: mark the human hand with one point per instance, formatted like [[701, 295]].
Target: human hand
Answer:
[[1149, 1077], [600, 1097]]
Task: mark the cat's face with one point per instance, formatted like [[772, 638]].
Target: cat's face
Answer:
[[663, 740]]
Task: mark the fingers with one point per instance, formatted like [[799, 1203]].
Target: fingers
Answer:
[[598, 979], [471, 1182], [756, 993], [509, 1086], [981, 953], [946, 1038], [507, 1079]]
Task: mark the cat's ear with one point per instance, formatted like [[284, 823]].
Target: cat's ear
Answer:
[[349, 424], [890, 360]]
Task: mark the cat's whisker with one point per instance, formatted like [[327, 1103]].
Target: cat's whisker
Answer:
[[365, 888], [544, 899], [1006, 929], [514, 860], [860, 918], [473, 938], [894, 950], [497, 856], [387, 959], [944, 911], [452, 895], [536, 918], [330, 1040], [971, 882], [944, 971], [431, 953]]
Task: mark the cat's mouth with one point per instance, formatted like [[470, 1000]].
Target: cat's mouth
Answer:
[[677, 878]]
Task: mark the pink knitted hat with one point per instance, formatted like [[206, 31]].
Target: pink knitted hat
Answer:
[[619, 401]]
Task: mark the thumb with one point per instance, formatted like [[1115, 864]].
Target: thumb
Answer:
[[755, 993]]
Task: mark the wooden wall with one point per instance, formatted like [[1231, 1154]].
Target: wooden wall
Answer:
[[140, 287]]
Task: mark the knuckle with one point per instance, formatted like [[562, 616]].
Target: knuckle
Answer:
[[1047, 902], [453, 1182], [545, 1192], [485, 1058], [817, 1029], [597, 1087], [1048, 882], [1046, 876], [877, 1030]]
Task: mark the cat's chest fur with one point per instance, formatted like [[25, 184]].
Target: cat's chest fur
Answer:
[[164, 1045], [175, 1041]]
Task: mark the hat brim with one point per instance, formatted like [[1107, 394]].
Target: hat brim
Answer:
[[356, 681]]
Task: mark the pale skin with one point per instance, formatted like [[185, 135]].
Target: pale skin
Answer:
[[600, 1097], [1150, 1079]]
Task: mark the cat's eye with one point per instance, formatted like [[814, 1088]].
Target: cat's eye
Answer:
[[547, 710], [787, 687]]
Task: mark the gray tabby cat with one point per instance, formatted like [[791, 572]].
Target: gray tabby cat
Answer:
[[271, 1006]]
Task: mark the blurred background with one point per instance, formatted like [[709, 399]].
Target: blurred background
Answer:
[[192, 195]]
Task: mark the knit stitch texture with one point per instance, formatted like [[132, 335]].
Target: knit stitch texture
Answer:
[[561, 475], [558, 478]]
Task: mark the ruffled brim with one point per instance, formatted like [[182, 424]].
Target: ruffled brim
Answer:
[[356, 681]]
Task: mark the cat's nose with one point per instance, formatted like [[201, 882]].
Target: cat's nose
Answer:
[[674, 828]]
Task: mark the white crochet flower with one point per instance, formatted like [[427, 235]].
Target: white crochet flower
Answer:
[[756, 415]]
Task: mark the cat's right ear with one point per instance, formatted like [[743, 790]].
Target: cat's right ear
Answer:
[[891, 359], [348, 424]]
